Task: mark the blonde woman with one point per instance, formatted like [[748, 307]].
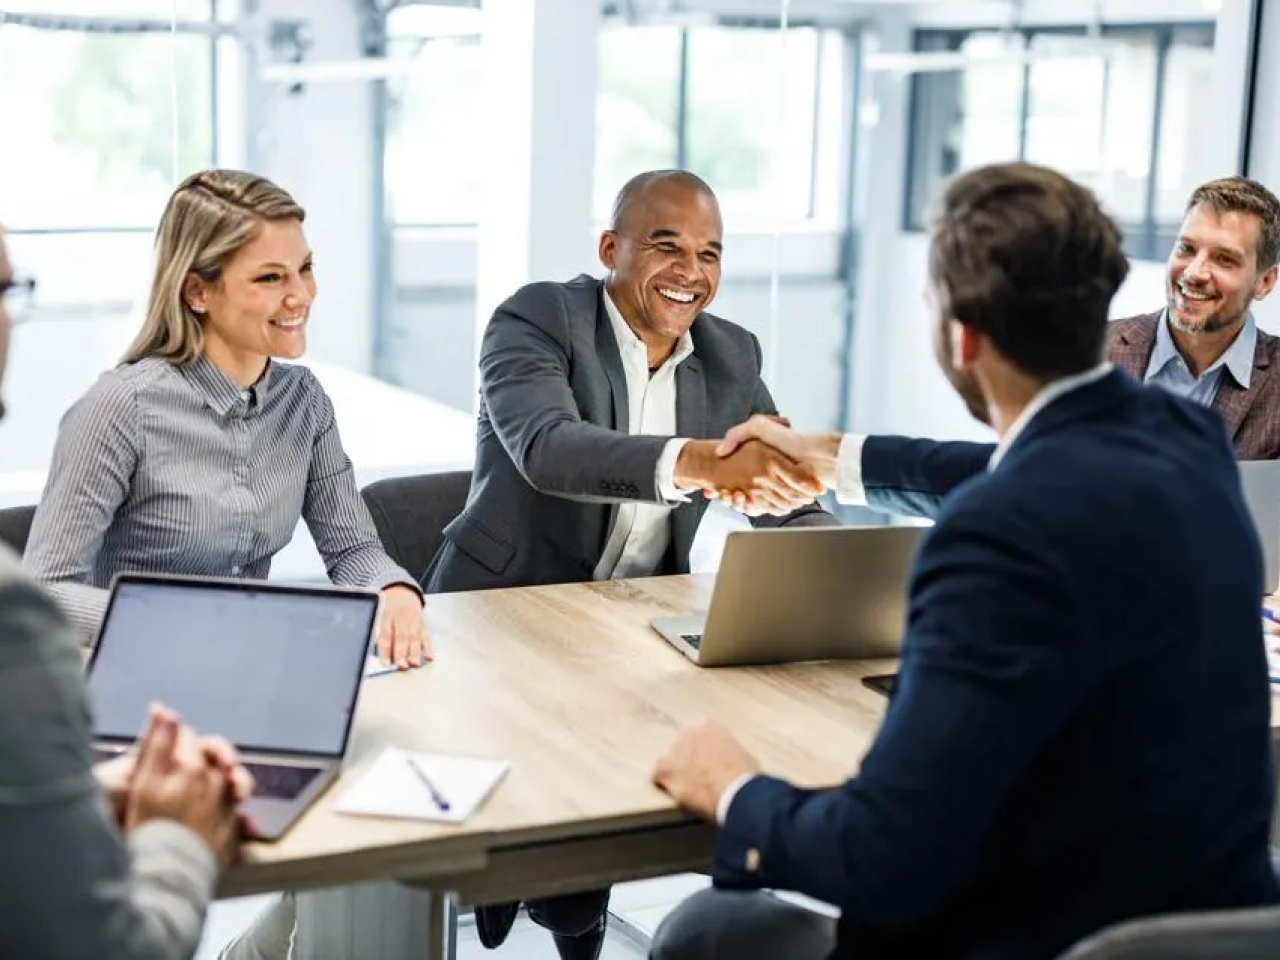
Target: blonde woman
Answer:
[[199, 453]]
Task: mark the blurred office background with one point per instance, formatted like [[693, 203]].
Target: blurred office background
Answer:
[[449, 151]]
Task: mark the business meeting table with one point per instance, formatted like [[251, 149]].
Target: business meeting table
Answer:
[[571, 686]]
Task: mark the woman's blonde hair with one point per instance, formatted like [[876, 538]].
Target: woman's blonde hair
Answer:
[[210, 216]]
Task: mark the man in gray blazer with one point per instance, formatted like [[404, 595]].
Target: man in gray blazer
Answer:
[[574, 449], [602, 403], [115, 861]]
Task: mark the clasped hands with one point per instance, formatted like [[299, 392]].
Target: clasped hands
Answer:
[[761, 467], [176, 775]]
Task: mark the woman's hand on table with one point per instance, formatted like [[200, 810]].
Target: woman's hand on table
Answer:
[[402, 633]]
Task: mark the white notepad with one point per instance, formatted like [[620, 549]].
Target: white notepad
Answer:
[[373, 667], [392, 788]]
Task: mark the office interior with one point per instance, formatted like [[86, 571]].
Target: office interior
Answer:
[[449, 152]]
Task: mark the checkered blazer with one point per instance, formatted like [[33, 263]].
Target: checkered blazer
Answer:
[[1252, 416]]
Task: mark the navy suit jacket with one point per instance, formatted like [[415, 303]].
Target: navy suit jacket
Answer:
[[1081, 729]]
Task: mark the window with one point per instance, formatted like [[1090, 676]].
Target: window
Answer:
[[1188, 96], [93, 122], [1113, 112], [709, 99], [637, 107], [742, 119], [966, 118], [433, 137], [1092, 117]]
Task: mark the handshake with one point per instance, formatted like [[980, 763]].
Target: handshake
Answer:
[[760, 467]]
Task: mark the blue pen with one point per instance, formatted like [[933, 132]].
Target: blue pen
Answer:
[[436, 796]]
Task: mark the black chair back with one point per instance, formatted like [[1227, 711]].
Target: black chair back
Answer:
[[412, 512], [15, 527]]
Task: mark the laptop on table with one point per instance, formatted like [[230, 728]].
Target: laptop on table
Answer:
[[274, 669], [804, 593], [1260, 481]]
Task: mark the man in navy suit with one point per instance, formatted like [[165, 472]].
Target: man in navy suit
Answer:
[[1080, 732]]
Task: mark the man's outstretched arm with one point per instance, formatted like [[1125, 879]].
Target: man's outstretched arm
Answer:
[[894, 474]]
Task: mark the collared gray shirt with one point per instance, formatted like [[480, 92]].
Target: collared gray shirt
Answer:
[[162, 468]]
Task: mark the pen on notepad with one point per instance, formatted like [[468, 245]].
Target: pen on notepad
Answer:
[[436, 796], [1269, 614]]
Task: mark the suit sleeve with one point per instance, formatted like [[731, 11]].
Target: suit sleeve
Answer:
[[813, 515], [912, 477], [524, 382], [71, 886], [990, 633]]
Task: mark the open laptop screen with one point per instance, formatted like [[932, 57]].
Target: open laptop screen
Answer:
[[269, 668]]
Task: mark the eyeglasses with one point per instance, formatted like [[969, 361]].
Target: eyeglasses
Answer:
[[18, 292]]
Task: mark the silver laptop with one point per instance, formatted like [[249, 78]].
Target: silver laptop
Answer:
[[807, 593], [1261, 482], [274, 669]]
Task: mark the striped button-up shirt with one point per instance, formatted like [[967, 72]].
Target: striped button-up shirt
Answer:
[[174, 469]]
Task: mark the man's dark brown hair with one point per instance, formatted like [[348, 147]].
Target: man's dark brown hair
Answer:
[[1029, 258], [1242, 195]]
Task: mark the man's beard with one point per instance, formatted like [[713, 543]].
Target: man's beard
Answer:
[[1211, 325], [1215, 322], [967, 387]]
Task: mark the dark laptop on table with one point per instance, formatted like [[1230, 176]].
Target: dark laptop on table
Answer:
[[274, 669]]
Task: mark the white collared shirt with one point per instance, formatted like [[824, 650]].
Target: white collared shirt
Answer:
[[642, 531], [1048, 393]]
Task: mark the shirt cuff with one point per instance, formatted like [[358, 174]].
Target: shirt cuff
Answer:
[[393, 576], [849, 489], [665, 475], [726, 798]]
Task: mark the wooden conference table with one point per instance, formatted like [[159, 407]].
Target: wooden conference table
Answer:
[[572, 687]]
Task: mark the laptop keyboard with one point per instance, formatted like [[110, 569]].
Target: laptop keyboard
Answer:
[[280, 782], [270, 780], [692, 639]]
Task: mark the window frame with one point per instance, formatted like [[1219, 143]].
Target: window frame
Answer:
[[1141, 236], [681, 104]]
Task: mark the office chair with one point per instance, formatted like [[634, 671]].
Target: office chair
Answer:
[[412, 512], [15, 527], [1223, 935]]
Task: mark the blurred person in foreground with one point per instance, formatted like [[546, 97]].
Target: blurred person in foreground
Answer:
[[115, 860]]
